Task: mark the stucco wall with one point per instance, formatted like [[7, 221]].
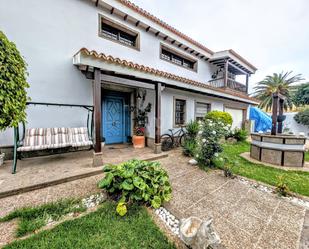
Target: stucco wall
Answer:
[[48, 35]]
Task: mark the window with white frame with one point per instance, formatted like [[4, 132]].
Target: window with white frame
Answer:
[[201, 109], [179, 112]]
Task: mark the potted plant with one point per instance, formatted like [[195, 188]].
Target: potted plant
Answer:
[[141, 120]]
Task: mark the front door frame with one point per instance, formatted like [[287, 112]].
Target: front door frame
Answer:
[[126, 128]]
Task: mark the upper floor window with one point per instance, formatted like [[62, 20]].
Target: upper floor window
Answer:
[[117, 32], [177, 58]]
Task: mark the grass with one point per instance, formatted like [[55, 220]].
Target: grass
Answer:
[[101, 229], [296, 181], [307, 156], [33, 218]]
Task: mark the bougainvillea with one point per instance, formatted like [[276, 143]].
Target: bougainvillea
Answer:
[[13, 84]]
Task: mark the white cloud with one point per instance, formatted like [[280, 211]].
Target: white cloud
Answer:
[[271, 34]]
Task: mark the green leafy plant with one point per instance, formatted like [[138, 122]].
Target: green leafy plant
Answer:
[[282, 188], [301, 95], [217, 116], [208, 141], [192, 128], [137, 181], [302, 117], [13, 84], [189, 147], [239, 134]]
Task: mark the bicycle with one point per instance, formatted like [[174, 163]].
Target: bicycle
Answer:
[[173, 139]]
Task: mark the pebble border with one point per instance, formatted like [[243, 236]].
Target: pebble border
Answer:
[[270, 190], [169, 219]]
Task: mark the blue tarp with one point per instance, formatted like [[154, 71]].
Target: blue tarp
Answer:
[[262, 120]]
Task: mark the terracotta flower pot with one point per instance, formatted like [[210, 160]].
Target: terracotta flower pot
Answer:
[[138, 142]]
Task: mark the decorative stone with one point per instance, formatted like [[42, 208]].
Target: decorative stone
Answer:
[[231, 140], [192, 161], [97, 159], [198, 234]]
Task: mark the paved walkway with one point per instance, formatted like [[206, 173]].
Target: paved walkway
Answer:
[[243, 216], [32, 173]]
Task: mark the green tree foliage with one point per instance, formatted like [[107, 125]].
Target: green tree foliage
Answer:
[[301, 96], [281, 83], [13, 84], [302, 117], [217, 116]]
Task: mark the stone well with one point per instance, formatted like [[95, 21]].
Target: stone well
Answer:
[[283, 149]]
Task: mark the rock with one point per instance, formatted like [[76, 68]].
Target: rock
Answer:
[[198, 234], [231, 140], [192, 161]]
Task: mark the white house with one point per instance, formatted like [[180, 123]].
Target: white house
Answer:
[[109, 54]]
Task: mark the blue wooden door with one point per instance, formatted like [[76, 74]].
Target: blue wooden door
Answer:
[[113, 120]]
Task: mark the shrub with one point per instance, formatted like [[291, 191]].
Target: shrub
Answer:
[[192, 128], [302, 117], [209, 141], [189, 147], [282, 188], [13, 84], [137, 181], [239, 134], [224, 117]]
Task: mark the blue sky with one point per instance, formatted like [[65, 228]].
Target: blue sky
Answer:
[[271, 34]]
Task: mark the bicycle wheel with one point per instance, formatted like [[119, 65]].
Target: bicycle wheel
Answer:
[[182, 140], [166, 142]]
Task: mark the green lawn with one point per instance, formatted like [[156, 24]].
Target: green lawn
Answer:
[[101, 229], [307, 156], [297, 181]]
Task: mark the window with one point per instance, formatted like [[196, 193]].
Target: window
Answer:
[[178, 59], [118, 32], [180, 112], [201, 109]]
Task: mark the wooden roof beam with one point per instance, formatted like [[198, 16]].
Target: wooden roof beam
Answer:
[[148, 28]]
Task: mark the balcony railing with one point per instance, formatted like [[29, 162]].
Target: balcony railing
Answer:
[[232, 84]]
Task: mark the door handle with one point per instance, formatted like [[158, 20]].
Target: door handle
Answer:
[[114, 123]]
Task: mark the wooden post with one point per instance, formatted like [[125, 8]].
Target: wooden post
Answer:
[[97, 109], [280, 124], [158, 118], [226, 71], [274, 114], [247, 83]]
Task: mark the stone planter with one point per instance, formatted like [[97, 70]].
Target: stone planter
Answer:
[[138, 142], [2, 158]]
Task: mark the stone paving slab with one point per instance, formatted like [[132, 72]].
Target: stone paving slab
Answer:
[[244, 217]]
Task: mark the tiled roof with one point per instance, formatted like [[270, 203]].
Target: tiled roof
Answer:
[[160, 73], [164, 24]]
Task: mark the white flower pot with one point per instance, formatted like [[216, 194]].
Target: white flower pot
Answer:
[[2, 158]]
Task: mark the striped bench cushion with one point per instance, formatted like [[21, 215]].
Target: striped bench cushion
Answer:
[[60, 138], [36, 139], [53, 138], [80, 137]]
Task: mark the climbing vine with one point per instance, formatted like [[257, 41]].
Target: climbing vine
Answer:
[[13, 84]]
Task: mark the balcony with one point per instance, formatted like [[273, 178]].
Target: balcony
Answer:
[[230, 83]]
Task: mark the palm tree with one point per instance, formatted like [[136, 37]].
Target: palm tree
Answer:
[[281, 83]]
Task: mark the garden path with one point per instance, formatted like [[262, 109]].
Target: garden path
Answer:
[[244, 216]]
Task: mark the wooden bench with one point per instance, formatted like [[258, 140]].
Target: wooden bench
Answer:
[[50, 138]]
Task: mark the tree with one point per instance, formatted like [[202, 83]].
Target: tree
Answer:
[[301, 95], [302, 117], [13, 84], [281, 83]]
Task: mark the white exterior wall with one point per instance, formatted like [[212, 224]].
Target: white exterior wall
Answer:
[[49, 33]]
